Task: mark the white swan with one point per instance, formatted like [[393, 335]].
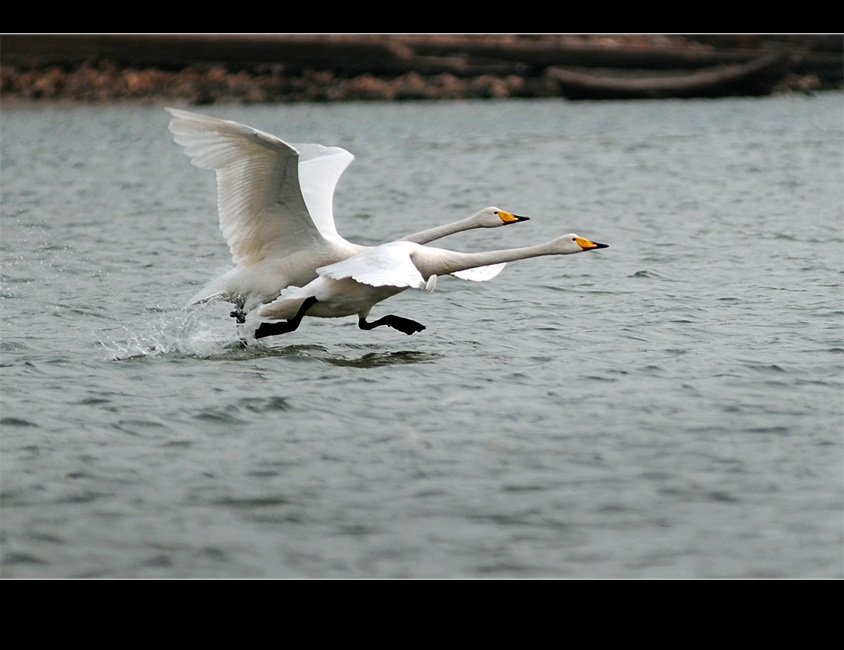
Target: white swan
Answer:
[[353, 286], [275, 208]]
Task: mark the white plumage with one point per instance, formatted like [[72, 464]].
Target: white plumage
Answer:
[[275, 203]]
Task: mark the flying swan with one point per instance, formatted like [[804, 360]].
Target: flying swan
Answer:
[[353, 286], [275, 206]]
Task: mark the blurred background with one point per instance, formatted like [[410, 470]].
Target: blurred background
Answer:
[[250, 68]]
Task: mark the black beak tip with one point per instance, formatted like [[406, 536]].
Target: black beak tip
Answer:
[[597, 245]]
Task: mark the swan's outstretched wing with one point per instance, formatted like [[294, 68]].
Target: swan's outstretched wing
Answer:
[[319, 170], [388, 265], [262, 209], [480, 273]]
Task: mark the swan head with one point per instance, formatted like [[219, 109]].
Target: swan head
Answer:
[[493, 217], [572, 243]]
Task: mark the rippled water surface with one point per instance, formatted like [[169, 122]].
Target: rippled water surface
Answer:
[[668, 407]]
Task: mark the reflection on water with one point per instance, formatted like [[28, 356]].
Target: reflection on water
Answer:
[[378, 359]]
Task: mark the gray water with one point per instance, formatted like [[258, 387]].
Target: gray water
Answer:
[[669, 407]]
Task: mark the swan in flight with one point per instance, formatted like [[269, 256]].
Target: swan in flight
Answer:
[[275, 207], [354, 285]]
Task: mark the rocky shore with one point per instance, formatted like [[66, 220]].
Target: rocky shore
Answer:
[[203, 69]]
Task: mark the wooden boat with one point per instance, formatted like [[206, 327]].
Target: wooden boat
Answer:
[[756, 77]]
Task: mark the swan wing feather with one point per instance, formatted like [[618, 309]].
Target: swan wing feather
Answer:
[[389, 265], [261, 206], [480, 273], [320, 168]]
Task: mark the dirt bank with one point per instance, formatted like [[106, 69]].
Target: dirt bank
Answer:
[[204, 69]]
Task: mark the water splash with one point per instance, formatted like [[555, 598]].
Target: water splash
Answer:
[[190, 332], [198, 332]]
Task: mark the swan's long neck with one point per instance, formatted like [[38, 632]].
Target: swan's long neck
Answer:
[[431, 234], [439, 261]]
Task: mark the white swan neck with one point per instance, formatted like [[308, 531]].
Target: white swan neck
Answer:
[[442, 261], [425, 236]]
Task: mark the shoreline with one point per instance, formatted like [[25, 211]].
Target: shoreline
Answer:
[[204, 69]]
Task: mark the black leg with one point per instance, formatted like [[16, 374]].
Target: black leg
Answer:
[[396, 322], [240, 316], [271, 329]]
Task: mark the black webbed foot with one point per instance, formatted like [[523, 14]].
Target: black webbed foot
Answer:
[[396, 322]]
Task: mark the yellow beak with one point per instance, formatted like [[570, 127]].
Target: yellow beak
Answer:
[[506, 217], [585, 244]]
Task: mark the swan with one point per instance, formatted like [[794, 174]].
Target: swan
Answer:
[[275, 207], [354, 285]]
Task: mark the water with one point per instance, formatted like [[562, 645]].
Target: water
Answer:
[[668, 407]]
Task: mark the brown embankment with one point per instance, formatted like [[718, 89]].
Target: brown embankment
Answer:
[[264, 68]]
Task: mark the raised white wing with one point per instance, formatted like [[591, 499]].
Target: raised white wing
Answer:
[[319, 170], [262, 210], [388, 265], [481, 273]]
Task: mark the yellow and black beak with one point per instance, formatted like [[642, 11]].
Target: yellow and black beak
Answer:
[[508, 218], [586, 245]]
